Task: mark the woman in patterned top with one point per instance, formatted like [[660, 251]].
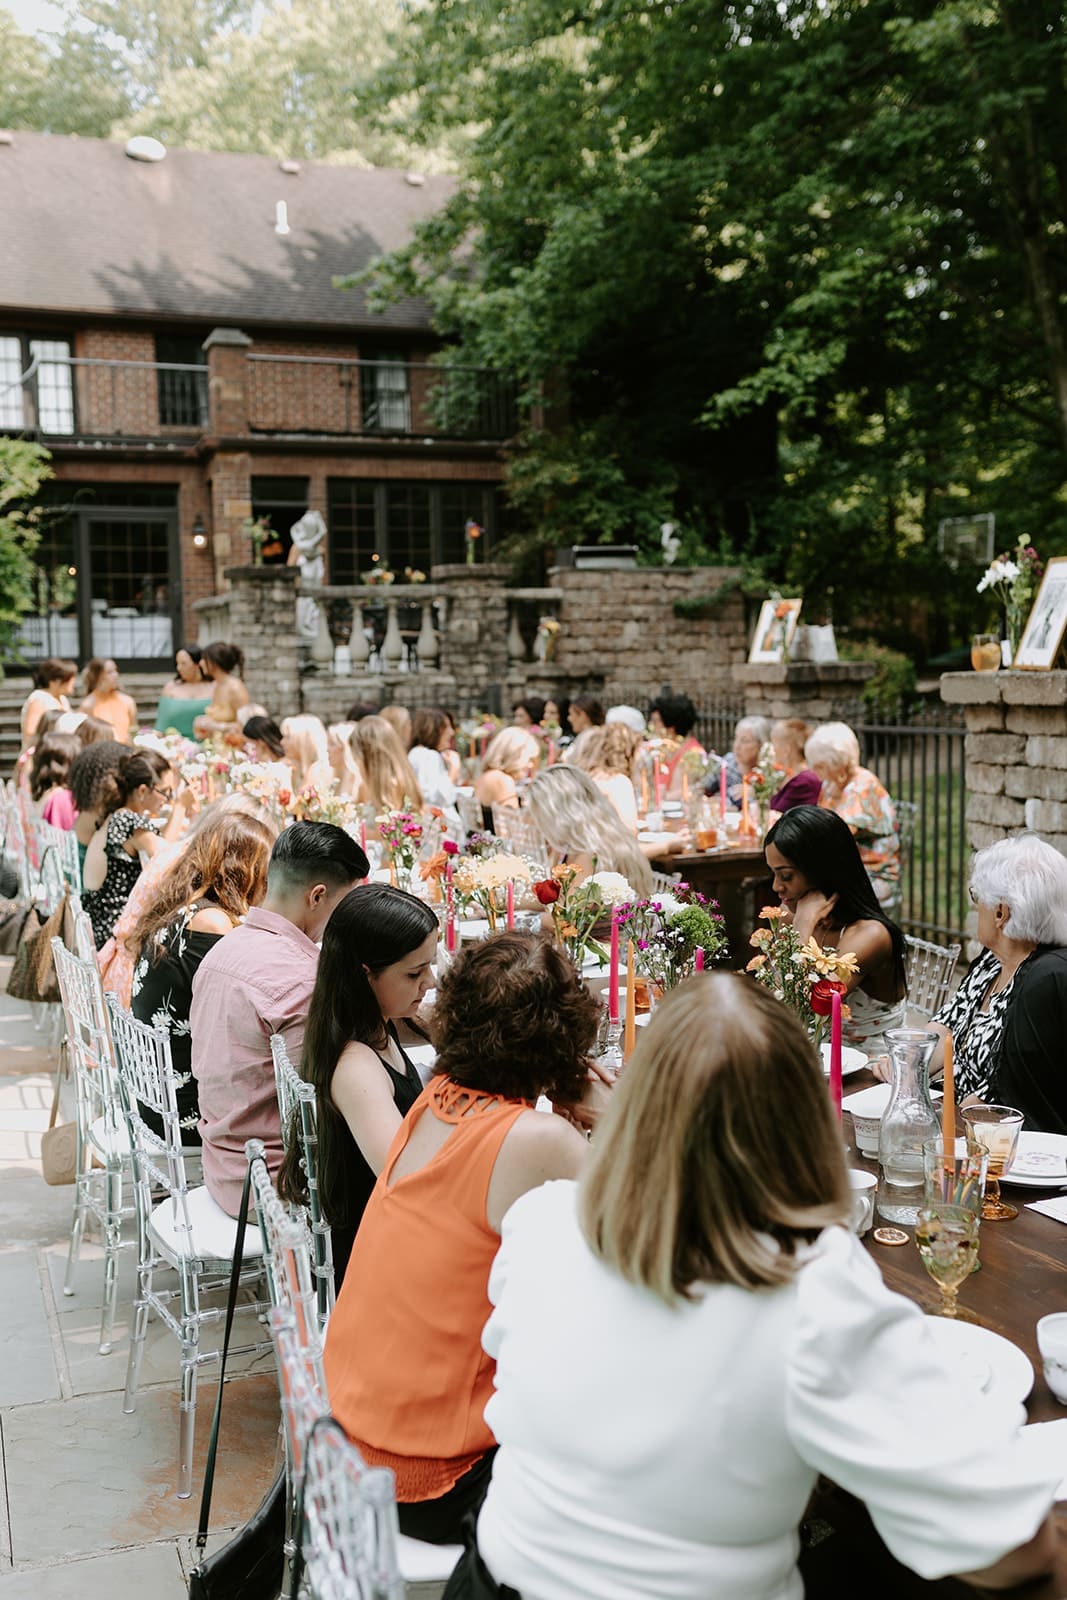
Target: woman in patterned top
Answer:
[[862, 801], [202, 897], [1020, 889], [133, 796]]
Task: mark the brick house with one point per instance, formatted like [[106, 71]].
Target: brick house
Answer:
[[170, 329]]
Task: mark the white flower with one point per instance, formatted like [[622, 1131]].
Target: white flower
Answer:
[[668, 905], [998, 572], [613, 888]]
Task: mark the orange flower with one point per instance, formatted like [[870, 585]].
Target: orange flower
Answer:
[[434, 867]]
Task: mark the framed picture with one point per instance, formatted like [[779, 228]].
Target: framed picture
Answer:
[[1042, 637], [775, 631]]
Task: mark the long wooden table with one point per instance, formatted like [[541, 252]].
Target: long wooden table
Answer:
[[1023, 1277]]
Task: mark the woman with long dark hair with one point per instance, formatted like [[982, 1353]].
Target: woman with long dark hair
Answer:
[[374, 969], [132, 797], [823, 885], [222, 664], [187, 695]]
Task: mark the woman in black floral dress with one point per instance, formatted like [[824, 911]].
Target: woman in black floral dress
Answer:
[[133, 797], [204, 895]]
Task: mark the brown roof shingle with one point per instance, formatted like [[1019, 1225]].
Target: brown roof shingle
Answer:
[[85, 228]]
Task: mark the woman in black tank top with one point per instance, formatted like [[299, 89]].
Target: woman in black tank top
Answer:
[[374, 969]]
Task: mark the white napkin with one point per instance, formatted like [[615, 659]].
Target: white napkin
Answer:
[[1052, 1436], [1056, 1209]]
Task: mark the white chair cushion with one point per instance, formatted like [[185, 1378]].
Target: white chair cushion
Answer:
[[214, 1233], [109, 1141], [426, 1563]]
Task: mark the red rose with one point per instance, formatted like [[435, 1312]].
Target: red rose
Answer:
[[450, 847], [547, 891], [284, 796], [822, 995]]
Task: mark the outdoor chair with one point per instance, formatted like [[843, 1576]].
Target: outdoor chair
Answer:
[[298, 1108], [390, 1560], [470, 813], [286, 1254], [186, 1230], [102, 1152], [349, 1533], [513, 828], [928, 968], [62, 844], [665, 882]]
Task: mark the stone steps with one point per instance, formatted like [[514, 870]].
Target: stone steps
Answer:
[[144, 686]]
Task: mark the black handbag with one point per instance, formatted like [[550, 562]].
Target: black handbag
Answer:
[[250, 1567]]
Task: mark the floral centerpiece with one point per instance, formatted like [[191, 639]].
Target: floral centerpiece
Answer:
[[414, 575], [208, 770], [577, 907], [472, 532], [764, 781], [477, 731], [316, 805], [401, 834], [668, 930], [483, 881], [803, 974], [546, 638], [1015, 580]]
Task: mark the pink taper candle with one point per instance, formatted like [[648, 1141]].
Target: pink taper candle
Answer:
[[835, 1051], [613, 972], [363, 836], [450, 932], [698, 959], [657, 778], [511, 906], [722, 792]]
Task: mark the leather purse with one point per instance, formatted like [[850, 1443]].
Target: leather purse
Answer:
[[250, 1567], [59, 1144]]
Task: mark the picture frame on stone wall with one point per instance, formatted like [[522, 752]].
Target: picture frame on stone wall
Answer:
[[775, 631], [1043, 636]]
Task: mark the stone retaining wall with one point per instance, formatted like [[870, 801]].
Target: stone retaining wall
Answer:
[[1015, 753]]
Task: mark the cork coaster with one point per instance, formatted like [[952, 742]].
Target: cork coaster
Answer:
[[890, 1236]]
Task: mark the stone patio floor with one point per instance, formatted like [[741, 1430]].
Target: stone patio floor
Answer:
[[88, 1505]]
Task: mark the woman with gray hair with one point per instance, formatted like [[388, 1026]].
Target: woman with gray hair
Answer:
[[1020, 889], [860, 800], [750, 735]]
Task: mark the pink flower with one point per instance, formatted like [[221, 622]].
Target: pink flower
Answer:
[[450, 847]]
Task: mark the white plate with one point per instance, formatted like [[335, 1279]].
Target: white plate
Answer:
[[852, 1060], [984, 1358], [1040, 1162]]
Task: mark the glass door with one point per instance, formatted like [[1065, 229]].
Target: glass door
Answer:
[[130, 596]]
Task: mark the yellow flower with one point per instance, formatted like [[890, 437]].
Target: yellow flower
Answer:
[[772, 913], [761, 937], [756, 963]]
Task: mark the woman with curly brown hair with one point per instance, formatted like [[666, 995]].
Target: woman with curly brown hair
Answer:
[[207, 891], [406, 1373]]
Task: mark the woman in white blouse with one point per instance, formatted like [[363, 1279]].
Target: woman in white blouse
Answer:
[[690, 1334]]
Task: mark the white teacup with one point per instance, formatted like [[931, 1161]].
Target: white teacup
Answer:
[[1052, 1342], [864, 1185]]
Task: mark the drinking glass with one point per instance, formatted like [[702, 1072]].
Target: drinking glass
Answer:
[[985, 652], [947, 1237], [957, 1179], [994, 1129]]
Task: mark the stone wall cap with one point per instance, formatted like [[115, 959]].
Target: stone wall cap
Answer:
[[261, 574], [225, 336], [497, 570], [802, 672]]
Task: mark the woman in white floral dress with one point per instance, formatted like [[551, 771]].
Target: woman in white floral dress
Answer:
[[205, 894]]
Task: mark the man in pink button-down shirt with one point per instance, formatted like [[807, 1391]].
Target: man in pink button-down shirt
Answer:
[[258, 981]]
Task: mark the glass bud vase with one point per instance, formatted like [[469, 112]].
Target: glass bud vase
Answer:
[[908, 1120]]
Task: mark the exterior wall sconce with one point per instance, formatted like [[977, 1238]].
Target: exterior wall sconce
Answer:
[[200, 535]]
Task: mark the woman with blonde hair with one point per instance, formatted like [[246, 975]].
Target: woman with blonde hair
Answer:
[[582, 827], [608, 757], [342, 762], [398, 718], [741, 1336], [307, 752], [386, 779], [204, 894], [511, 756]]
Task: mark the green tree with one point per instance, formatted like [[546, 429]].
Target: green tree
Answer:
[[66, 83], [791, 268], [24, 467]]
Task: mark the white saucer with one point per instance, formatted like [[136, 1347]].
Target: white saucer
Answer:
[[1040, 1162], [983, 1358], [852, 1060]]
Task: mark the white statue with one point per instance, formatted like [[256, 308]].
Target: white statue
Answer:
[[309, 555], [670, 542]]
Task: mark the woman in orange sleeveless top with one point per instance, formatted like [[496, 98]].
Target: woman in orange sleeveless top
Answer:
[[406, 1373]]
